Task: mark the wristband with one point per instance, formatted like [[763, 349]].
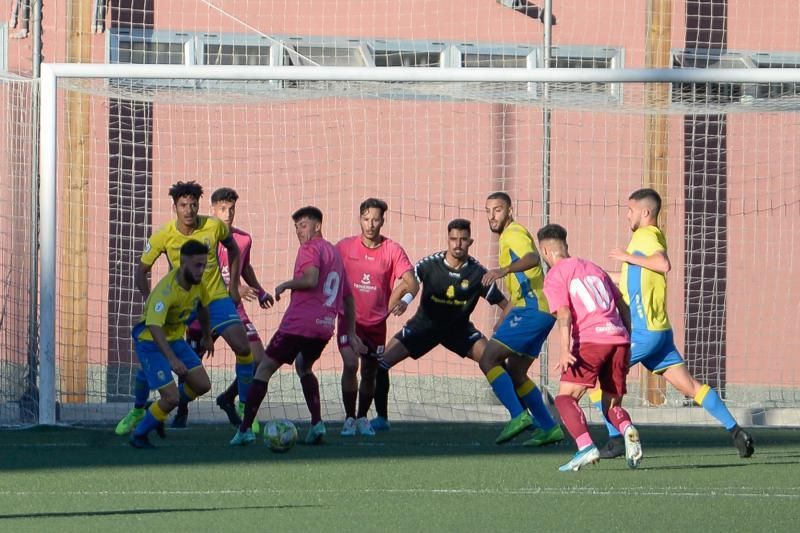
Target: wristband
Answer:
[[262, 295], [407, 298]]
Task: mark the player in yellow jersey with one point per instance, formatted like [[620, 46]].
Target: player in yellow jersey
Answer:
[[524, 328], [225, 321], [159, 343], [643, 283]]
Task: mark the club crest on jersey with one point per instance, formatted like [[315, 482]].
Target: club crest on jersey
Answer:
[[465, 284], [159, 307], [451, 292]]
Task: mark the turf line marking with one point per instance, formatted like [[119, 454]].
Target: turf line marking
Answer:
[[731, 492]]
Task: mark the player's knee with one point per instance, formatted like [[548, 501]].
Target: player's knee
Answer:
[[169, 398]]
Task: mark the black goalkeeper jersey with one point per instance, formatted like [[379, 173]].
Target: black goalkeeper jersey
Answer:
[[448, 295]]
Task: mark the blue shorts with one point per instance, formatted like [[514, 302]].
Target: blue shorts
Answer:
[[524, 330], [223, 313], [155, 364], [655, 350]]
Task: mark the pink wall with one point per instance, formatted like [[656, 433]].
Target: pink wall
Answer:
[[434, 161]]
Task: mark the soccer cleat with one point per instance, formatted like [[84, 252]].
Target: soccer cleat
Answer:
[[589, 455], [243, 439], [128, 424], [364, 428], [349, 427], [743, 442], [633, 447], [380, 423], [542, 437], [230, 410], [255, 425], [514, 427], [615, 447], [140, 442], [180, 420], [315, 433]]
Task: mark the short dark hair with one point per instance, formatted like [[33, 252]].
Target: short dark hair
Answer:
[[193, 247], [648, 194], [552, 232], [500, 195], [185, 188], [460, 223], [373, 203], [224, 194], [309, 212]]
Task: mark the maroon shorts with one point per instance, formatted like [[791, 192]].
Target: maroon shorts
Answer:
[[194, 332], [373, 336], [285, 347], [607, 362]]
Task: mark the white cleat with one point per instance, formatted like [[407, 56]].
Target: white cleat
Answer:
[[589, 455], [633, 447], [364, 427], [243, 439], [349, 427]]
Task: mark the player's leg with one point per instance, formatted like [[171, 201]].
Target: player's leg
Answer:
[[366, 391], [349, 385], [226, 323], [414, 339], [548, 431], [613, 378], [141, 393], [280, 350], [492, 366], [708, 399], [574, 419], [257, 349], [194, 335], [309, 352]]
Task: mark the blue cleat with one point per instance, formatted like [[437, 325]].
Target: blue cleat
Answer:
[[589, 455], [243, 439], [380, 423]]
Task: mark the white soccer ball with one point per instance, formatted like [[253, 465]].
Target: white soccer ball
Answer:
[[280, 435]]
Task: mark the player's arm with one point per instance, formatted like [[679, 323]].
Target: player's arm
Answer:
[[141, 280], [233, 260], [207, 341], [526, 262], [564, 319], [160, 338], [623, 308], [506, 307], [308, 280], [249, 276], [657, 261], [403, 293]]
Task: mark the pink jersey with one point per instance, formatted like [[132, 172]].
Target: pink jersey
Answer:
[[591, 297], [372, 272], [313, 312], [244, 242]]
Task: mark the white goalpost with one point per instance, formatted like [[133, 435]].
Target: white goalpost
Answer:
[[433, 142]]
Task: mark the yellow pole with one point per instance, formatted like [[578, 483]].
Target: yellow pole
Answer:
[[73, 364], [656, 152]]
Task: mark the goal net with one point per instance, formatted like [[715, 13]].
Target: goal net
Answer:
[[721, 153]]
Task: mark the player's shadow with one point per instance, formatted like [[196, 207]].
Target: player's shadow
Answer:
[[139, 512]]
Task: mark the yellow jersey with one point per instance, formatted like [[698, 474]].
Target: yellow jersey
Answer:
[[170, 305], [645, 291], [168, 240], [525, 288]]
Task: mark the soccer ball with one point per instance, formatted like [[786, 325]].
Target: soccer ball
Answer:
[[280, 435]]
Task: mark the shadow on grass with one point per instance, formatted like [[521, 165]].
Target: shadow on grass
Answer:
[[139, 512], [77, 447]]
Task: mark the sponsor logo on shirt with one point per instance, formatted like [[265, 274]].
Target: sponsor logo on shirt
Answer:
[[366, 283]]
